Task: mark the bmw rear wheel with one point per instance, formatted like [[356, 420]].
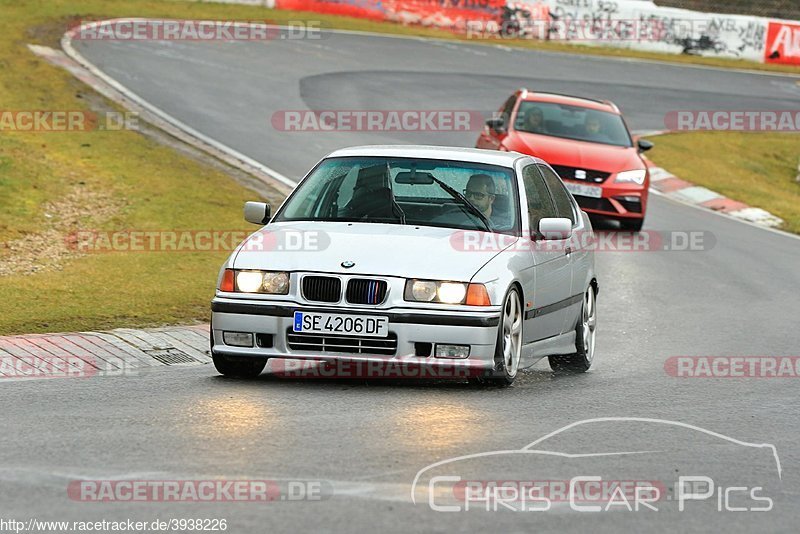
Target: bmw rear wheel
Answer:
[[585, 331]]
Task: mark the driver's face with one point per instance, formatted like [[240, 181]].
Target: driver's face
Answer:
[[479, 196], [593, 126]]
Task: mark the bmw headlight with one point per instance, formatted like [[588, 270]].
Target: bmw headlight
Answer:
[[631, 177], [446, 292], [452, 292], [249, 281], [276, 283], [268, 282], [421, 290]]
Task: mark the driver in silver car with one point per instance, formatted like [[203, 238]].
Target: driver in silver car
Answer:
[[481, 192]]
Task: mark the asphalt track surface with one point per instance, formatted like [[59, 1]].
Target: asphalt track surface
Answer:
[[368, 440]]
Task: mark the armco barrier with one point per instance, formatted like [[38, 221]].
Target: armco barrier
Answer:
[[636, 24], [671, 30]]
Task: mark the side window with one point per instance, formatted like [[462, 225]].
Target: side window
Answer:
[[560, 194], [540, 205]]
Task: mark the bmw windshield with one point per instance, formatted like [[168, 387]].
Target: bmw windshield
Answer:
[[449, 194]]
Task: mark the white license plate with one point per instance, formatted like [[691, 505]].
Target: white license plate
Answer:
[[584, 190], [340, 324]]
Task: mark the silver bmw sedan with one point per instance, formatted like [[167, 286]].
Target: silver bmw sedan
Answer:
[[442, 260]]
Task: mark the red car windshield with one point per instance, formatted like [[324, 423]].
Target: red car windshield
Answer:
[[572, 122]]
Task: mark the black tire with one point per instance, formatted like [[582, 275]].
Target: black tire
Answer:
[[631, 225], [241, 368], [581, 360], [503, 376]]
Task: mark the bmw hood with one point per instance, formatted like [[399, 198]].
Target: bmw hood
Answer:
[[405, 251]]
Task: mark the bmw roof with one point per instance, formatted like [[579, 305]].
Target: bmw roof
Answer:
[[470, 155]]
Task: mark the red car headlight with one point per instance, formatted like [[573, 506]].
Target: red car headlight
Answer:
[[631, 177]]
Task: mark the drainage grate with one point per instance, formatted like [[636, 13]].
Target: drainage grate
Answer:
[[171, 356]]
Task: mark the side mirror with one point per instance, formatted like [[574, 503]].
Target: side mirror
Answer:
[[498, 124], [555, 228], [644, 145], [256, 212]]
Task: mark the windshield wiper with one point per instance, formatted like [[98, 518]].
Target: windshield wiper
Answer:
[[463, 200]]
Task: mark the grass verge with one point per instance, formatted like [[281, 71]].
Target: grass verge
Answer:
[[53, 184], [759, 169]]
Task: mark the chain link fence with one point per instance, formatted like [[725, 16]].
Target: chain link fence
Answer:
[[782, 9]]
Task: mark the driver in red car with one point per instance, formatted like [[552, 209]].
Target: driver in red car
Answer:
[[593, 129], [534, 121]]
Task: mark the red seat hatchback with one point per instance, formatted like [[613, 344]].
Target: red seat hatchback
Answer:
[[586, 141]]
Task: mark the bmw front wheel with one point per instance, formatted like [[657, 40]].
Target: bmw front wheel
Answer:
[[509, 341], [242, 368]]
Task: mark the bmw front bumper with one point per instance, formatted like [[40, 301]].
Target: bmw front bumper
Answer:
[[416, 332]]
